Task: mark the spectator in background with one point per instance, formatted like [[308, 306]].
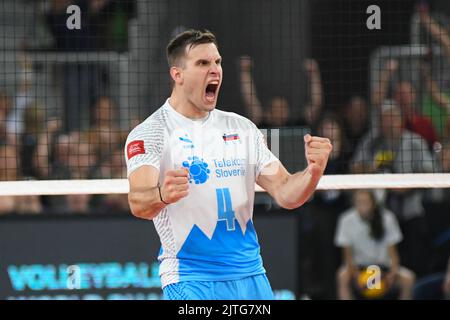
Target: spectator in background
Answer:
[[322, 212], [436, 104], [396, 150], [73, 158], [315, 104], [5, 107], [104, 131], [406, 99], [9, 171], [113, 168], [78, 204], [368, 235], [405, 96], [23, 99], [48, 158], [331, 127], [33, 128], [356, 121], [29, 204], [278, 112], [60, 155], [82, 157]]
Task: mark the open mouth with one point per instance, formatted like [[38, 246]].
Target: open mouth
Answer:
[[211, 91]]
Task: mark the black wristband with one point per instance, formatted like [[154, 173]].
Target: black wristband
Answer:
[[160, 196]]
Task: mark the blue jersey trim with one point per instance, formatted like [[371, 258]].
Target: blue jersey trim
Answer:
[[228, 255]]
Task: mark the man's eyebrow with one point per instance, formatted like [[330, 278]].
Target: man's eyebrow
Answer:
[[201, 60]]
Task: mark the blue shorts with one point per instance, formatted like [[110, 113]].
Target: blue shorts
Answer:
[[250, 288]]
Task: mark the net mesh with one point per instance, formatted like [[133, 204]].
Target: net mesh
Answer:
[[77, 76]]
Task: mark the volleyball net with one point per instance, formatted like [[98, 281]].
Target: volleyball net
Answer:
[[76, 77]]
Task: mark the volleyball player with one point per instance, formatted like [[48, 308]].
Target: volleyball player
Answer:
[[192, 169]]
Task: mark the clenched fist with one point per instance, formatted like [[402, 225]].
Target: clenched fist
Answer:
[[317, 151], [175, 185]]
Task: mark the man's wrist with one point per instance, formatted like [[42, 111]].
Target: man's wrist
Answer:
[[160, 195]]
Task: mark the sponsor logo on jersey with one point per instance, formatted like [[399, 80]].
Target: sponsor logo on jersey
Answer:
[[198, 170], [227, 168], [187, 142], [134, 148]]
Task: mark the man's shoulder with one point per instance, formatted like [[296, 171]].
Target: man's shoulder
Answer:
[[154, 122]]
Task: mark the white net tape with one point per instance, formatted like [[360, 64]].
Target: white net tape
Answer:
[[107, 186]]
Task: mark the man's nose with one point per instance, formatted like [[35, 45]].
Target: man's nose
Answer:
[[215, 68]]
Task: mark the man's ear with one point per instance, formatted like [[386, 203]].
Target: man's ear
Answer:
[[177, 74]]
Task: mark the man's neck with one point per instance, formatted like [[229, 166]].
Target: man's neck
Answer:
[[185, 107]]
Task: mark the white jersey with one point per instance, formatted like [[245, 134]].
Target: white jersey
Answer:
[[209, 234]]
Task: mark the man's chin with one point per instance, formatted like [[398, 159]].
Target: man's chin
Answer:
[[209, 106]]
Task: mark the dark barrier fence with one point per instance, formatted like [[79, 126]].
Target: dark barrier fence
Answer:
[[114, 257]]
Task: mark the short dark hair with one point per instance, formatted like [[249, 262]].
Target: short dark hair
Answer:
[[189, 38]]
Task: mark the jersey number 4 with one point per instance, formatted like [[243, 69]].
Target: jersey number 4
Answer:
[[224, 208]]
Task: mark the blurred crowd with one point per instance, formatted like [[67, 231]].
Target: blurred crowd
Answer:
[[81, 141], [40, 149], [392, 131], [404, 231]]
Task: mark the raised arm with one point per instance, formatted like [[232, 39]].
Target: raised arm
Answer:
[[316, 91], [380, 92], [437, 32], [41, 160], [433, 88], [248, 90], [291, 191]]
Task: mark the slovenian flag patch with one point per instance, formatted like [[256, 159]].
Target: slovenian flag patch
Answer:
[[230, 137]]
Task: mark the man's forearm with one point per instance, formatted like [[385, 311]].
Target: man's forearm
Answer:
[[297, 189], [145, 203]]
